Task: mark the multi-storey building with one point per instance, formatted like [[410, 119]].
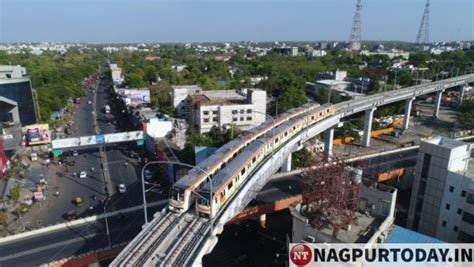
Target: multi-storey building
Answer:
[[243, 108], [442, 199], [116, 72], [15, 87], [179, 95]]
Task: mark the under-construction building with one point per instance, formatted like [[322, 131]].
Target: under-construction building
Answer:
[[341, 207], [245, 109]]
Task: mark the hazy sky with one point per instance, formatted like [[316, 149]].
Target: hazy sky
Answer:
[[101, 21]]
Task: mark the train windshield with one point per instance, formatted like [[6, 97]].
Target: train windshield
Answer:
[[177, 194], [203, 198]]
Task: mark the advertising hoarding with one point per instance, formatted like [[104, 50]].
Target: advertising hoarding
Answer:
[[37, 134], [97, 139]]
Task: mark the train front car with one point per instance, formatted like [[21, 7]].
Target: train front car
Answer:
[[203, 206], [179, 200], [229, 179]]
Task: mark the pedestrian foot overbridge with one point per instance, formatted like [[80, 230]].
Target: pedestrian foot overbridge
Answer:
[[183, 239]]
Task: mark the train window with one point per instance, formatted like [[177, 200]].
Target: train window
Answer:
[[312, 117], [320, 114], [243, 171], [276, 140], [327, 110], [177, 194], [254, 159], [294, 128], [230, 185], [286, 133]]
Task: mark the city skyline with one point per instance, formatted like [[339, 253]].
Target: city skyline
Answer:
[[216, 21]]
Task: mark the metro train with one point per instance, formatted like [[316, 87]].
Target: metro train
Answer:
[[228, 180], [181, 197]]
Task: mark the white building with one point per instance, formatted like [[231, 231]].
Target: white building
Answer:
[[117, 77], [12, 72], [179, 68], [245, 108], [294, 51], [179, 95], [316, 53], [442, 199]]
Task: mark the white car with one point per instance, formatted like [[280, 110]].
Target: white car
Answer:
[[75, 153], [122, 188], [82, 175], [148, 175], [89, 102]]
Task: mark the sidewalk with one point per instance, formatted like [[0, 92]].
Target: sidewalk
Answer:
[[31, 218]]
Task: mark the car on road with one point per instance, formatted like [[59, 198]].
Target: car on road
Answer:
[[82, 175], [122, 188], [75, 153], [89, 102], [147, 174]]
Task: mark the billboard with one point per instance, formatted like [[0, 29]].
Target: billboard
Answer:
[[37, 134], [123, 137], [65, 143], [97, 139], [137, 97]]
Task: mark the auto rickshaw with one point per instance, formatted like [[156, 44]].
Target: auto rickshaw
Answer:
[[78, 201]]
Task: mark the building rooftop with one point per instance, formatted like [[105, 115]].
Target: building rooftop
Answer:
[[224, 94], [469, 171], [446, 142], [186, 87], [333, 82], [402, 235], [360, 232], [219, 97]]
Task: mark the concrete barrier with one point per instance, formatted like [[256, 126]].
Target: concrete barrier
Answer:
[[89, 258], [75, 223]]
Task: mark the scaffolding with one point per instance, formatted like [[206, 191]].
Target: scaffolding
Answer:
[[330, 193]]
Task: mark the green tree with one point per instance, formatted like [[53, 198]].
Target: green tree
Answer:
[[290, 98], [404, 78], [134, 80], [374, 86], [347, 130], [208, 83], [467, 111], [15, 192]]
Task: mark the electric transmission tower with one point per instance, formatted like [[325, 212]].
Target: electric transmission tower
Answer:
[[356, 29], [424, 32]]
